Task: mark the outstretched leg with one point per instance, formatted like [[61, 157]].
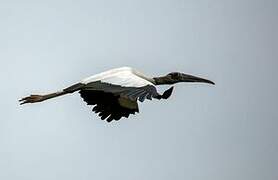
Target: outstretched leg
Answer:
[[34, 98], [40, 98]]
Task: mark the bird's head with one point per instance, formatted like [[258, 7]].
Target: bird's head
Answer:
[[176, 77]]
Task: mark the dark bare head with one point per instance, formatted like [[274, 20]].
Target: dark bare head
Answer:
[[176, 77]]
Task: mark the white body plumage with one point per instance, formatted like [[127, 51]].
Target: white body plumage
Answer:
[[124, 76]]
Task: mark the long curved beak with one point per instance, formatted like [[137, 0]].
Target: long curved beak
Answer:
[[190, 78]]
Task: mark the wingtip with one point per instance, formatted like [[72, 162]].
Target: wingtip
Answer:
[[167, 93]]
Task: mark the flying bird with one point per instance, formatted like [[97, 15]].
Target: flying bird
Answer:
[[115, 93]]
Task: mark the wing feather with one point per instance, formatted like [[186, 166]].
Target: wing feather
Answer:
[[126, 77], [115, 93]]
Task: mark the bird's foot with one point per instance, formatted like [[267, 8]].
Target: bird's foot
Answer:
[[31, 99]]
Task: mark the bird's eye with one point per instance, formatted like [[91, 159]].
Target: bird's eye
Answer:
[[174, 75]]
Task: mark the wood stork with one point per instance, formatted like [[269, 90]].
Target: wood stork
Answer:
[[115, 92]]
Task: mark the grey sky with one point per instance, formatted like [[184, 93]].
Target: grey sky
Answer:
[[202, 132]]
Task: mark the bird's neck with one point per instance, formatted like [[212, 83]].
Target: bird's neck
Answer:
[[162, 80]]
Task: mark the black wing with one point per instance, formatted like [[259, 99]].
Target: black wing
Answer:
[[107, 105], [114, 101]]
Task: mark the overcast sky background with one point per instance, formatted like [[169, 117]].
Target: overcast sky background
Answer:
[[222, 132]]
